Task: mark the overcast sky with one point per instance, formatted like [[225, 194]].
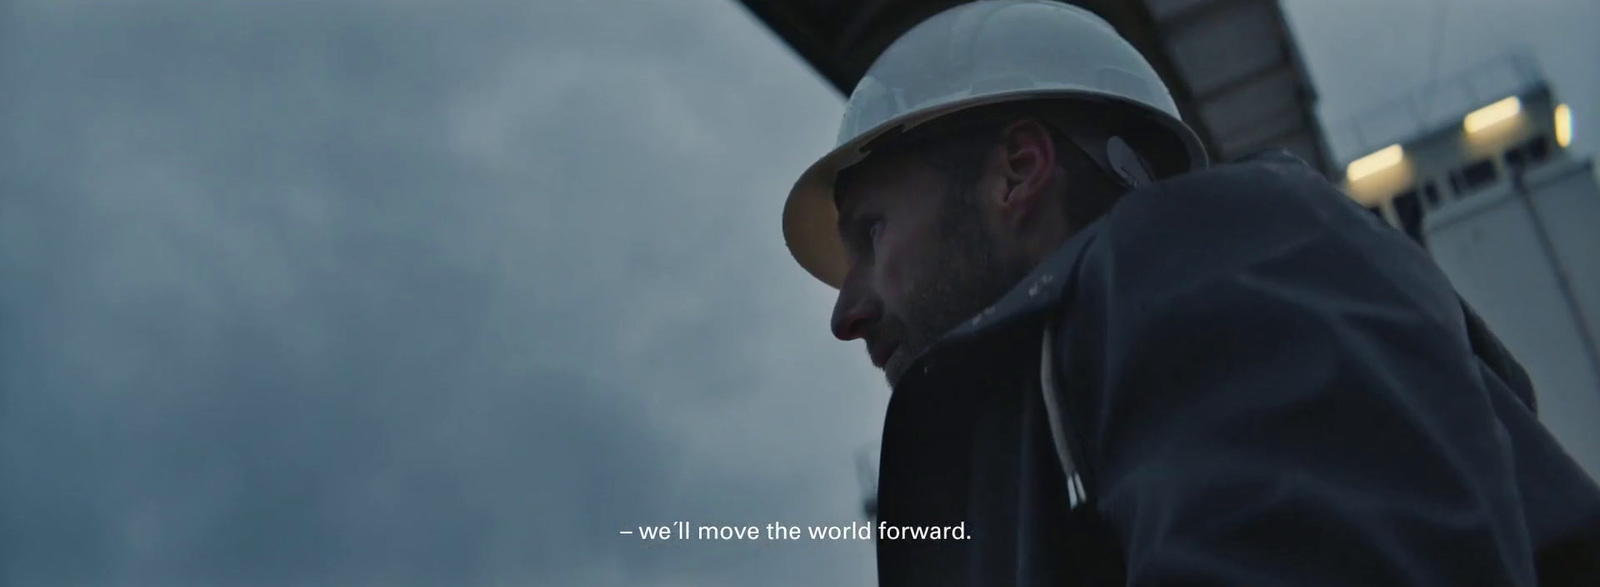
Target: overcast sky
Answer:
[[1364, 52], [385, 292]]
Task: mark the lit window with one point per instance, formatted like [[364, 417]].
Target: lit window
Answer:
[[1382, 159], [1563, 126], [1493, 114]]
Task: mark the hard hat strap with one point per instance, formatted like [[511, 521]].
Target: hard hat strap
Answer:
[[1131, 167], [1114, 156]]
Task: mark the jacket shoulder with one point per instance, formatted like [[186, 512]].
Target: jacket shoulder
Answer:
[[1267, 214], [1202, 225]]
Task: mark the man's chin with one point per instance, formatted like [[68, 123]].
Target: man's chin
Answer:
[[895, 367]]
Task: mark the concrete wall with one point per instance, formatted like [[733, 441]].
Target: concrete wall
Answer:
[[1491, 249]]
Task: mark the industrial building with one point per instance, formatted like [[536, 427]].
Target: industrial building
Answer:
[[1475, 168]]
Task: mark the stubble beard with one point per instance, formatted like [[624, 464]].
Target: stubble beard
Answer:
[[960, 279]]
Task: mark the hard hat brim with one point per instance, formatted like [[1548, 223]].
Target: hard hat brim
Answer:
[[811, 217]]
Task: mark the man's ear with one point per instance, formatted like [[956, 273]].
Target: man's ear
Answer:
[[1028, 166]]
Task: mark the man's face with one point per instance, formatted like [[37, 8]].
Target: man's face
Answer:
[[924, 257]]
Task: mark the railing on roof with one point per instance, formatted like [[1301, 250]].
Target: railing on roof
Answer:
[[1434, 106]]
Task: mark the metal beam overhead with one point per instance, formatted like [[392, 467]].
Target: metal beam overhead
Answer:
[[1223, 60]]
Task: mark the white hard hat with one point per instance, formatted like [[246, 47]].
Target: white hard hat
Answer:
[[976, 54]]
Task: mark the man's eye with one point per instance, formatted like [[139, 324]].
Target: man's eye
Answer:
[[874, 229], [863, 234]]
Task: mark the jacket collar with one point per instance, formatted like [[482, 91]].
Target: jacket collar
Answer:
[[1033, 295], [1043, 287]]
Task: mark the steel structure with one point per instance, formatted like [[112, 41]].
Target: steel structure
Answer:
[[1232, 65], [1475, 168]]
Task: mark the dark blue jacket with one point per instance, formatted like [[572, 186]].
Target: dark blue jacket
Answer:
[[1256, 383]]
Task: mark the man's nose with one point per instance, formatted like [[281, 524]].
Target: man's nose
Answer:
[[853, 314]]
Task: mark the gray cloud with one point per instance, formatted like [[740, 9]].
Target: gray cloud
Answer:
[[378, 293]]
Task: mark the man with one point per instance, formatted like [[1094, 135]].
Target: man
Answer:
[[1117, 366]]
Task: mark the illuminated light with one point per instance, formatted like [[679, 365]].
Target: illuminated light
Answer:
[[1382, 159], [1493, 114], [1563, 125]]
